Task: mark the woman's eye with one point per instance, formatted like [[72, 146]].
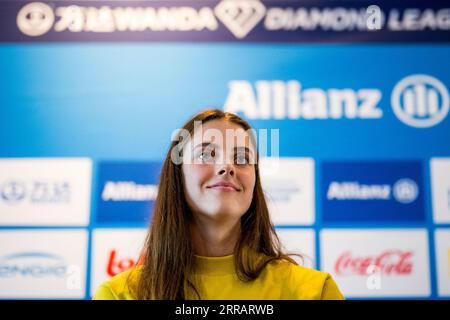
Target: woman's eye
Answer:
[[207, 155], [241, 159]]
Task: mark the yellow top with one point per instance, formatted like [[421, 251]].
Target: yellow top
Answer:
[[217, 280]]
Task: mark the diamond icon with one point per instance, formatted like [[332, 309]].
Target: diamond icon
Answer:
[[240, 16]]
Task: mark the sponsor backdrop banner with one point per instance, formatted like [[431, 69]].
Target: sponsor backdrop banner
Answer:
[[356, 92]]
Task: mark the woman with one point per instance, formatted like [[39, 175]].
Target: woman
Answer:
[[211, 236]]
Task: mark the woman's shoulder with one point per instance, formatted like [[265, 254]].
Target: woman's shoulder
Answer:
[[119, 286], [303, 282], [285, 269]]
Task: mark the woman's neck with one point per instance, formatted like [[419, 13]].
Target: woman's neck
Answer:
[[214, 239]]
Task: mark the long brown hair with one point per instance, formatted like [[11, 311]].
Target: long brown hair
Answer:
[[168, 251]]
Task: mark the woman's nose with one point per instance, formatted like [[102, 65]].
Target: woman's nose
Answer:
[[226, 169]]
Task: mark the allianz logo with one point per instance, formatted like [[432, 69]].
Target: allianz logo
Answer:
[[32, 265], [404, 191], [128, 191], [289, 100], [418, 100]]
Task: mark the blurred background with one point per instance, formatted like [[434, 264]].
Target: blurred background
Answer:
[[91, 91]]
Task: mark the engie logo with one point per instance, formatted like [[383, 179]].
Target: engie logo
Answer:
[[127, 191], [43, 263], [420, 101], [32, 265], [372, 191]]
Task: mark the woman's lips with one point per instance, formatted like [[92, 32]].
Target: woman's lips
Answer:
[[224, 186]]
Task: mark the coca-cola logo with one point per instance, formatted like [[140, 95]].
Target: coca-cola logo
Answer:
[[117, 265], [389, 262]]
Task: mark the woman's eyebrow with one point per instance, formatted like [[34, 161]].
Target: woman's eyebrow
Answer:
[[243, 149], [206, 144], [210, 144]]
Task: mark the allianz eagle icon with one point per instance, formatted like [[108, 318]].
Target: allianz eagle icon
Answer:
[[372, 192], [126, 192]]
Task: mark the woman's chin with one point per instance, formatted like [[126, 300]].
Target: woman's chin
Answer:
[[224, 213]]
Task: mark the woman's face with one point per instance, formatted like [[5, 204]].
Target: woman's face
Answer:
[[218, 178]]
